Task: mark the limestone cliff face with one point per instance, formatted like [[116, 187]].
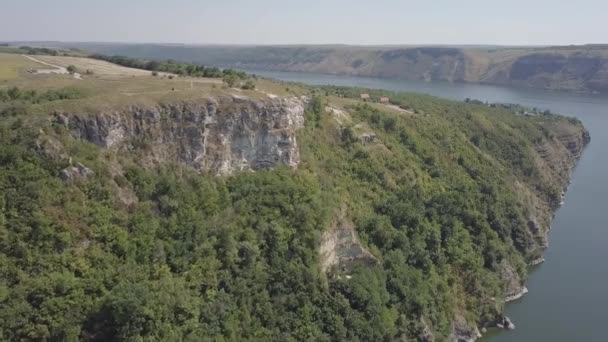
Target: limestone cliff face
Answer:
[[219, 136], [556, 158], [340, 249], [585, 71], [560, 154]]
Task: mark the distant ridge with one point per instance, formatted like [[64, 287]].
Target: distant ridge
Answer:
[[569, 67]]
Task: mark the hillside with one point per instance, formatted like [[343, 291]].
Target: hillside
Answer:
[[573, 68], [140, 207]]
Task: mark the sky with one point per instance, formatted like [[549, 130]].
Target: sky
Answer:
[[357, 22]]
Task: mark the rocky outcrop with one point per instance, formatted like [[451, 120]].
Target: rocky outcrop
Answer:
[[426, 335], [219, 136], [556, 158], [76, 173], [368, 138], [464, 331], [536, 261], [562, 152], [513, 285], [516, 294], [340, 248], [50, 148], [504, 322]]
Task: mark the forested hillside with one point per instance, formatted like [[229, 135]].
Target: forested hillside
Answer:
[[113, 225]]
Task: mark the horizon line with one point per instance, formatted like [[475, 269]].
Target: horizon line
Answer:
[[300, 44]]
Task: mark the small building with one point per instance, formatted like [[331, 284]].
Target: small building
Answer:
[[385, 100], [364, 97]]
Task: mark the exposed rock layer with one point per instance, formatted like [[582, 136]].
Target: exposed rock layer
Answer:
[[217, 135], [557, 156], [340, 248]]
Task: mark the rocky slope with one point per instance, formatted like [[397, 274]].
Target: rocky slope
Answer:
[[556, 157], [340, 249]]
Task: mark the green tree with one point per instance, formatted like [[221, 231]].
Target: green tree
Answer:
[[230, 80], [13, 93], [249, 84]]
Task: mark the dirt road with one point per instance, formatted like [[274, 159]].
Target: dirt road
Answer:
[[57, 69]]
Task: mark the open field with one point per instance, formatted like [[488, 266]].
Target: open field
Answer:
[[12, 65], [113, 86], [98, 67], [342, 103]]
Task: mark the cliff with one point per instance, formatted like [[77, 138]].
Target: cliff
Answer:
[[340, 249], [556, 157], [219, 136]]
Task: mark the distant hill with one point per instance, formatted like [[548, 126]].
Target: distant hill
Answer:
[[573, 68]]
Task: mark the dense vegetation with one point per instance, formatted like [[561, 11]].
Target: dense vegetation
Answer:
[[14, 101], [29, 50], [236, 258], [16, 94], [38, 51], [171, 66]]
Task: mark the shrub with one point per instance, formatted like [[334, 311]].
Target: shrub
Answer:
[[249, 85], [229, 80]]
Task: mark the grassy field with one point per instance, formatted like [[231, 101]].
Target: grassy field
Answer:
[[12, 66], [113, 86], [98, 67]]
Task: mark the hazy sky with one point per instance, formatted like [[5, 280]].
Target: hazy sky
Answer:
[[507, 22]]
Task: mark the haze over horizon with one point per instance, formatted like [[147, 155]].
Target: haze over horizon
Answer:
[[268, 22]]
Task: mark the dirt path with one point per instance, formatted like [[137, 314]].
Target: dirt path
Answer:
[[152, 92], [57, 69], [397, 108]]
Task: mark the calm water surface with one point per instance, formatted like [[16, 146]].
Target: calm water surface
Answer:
[[568, 299]]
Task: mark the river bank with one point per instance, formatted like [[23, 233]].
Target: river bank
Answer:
[[566, 298]]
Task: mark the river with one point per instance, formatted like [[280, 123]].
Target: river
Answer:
[[568, 295]]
